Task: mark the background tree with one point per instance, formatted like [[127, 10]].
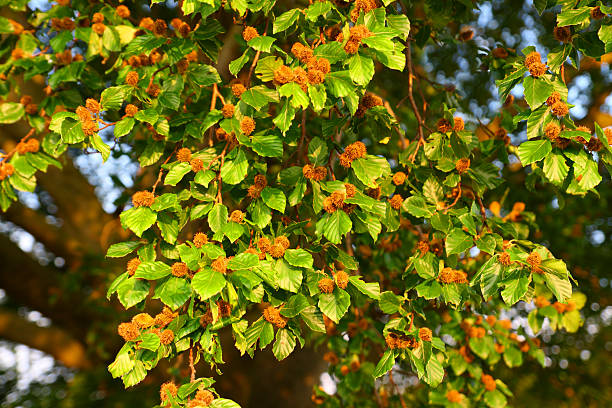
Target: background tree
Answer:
[[441, 55]]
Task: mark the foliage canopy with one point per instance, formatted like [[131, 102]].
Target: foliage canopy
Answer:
[[290, 201]]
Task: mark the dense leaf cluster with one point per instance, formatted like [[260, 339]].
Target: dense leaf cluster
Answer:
[[291, 204]]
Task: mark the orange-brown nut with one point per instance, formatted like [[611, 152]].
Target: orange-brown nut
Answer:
[[167, 388], [444, 126], [459, 125], [264, 244], [179, 269], [166, 337], [196, 165], [132, 265], [326, 285], [425, 334], [537, 69], [228, 110], [249, 33], [532, 58], [277, 251], [220, 264], [462, 165], [562, 34], [143, 320], [342, 279], [237, 216], [183, 155], [143, 199], [200, 239], [131, 110], [396, 201], [399, 178], [247, 125], [123, 11], [129, 331]]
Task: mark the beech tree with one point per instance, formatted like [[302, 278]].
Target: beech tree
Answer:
[[309, 176]]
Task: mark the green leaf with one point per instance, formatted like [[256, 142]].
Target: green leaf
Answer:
[[234, 171], [138, 219], [285, 117], [316, 9], [267, 145], [11, 112], [370, 289], [313, 319], [338, 224], [262, 43], [370, 168], [132, 291], [173, 292], [389, 302], [458, 241], [223, 403], [152, 270], [417, 207], [207, 283], [259, 96], [385, 364], [274, 198], [299, 257], [204, 75], [533, 151], [243, 261], [217, 217], [335, 305], [495, 399], [72, 132], [555, 168], [537, 90], [284, 344], [287, 277], [123, 127], [285, 21], [434, 372], [361, 69], [536, 120], [295, 305], [573, 16], [295, 94], [561, 288], [515, 290], [112, 98], [121, 249]]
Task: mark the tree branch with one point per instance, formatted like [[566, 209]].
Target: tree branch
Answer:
[[52, 340]]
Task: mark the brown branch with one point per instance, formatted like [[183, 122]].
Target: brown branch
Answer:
[[410, 88], [12, 152], [255, 60], [52, 340], [161, 170]]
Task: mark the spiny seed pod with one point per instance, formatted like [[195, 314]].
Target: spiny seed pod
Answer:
[[551, 131], [143, 320], [153, 90], [342, 279], [200, 239], [129, 331], [160, 27], [562, 34], [143, 199], [283, 241], [594, 144], [283, 75], [446, 275], [454, 396], [553, 98], [302, 52], [308, 171], [90, 127], [237, 216], [272, 315], [17, 53], [184, 30], [225, 309], [184, 155], [238, 89], [98, 28], [459, 277], [196, 165], [532, 58], [25, 100], [98, 18], [350, 190], [462, 165], [220, 264], [458, 125], [179, 269], [315, 77], [132, 78], [205, 397], [123, 11], [249, 33], [166, 337], [277, 251], [396, 201], [260, 181], [32, 145], [167, 388], [425, 334], [444, 125], [300, 77], [92, 105], [399, 178], [131, 110], [534, 260], [247, 125], [345, 160], [228, 110], [559, 109], [504, 259], [326, 285], [147, 23], [264, 244], [132, 265], [537, 69], [422, 247]]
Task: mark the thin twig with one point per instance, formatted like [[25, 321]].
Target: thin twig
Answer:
[[161, 169], [396, 389], [191, 366], [410, 87], [256, 59], [23, 139]]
